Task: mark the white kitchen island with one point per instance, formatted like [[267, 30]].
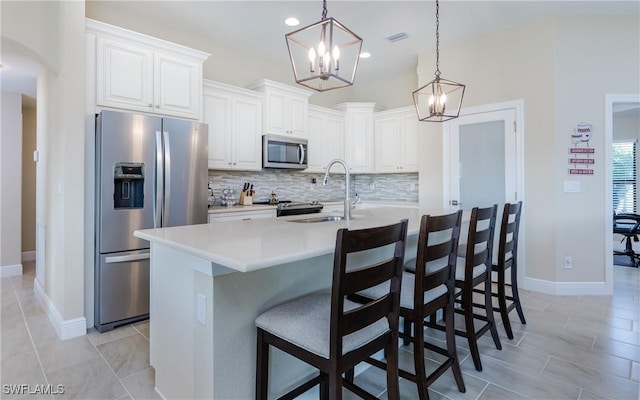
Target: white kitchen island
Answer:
[[209, 282]]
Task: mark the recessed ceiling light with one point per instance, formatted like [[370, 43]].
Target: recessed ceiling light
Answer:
[[292, 21], [365, 54]]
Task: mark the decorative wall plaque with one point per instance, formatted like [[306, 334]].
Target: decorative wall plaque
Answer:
[[581, 156]]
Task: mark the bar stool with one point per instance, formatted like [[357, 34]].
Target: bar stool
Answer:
[[429, 288], [332, 333], [507, 258], [472, 271]]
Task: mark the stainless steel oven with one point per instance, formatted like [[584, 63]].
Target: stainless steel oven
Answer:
[[284, 152]]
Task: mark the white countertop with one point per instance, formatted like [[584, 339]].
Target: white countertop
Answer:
[[261, 243]]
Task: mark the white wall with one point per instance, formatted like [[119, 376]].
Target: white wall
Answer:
[[55, 37], [11, 177], [562, 68]]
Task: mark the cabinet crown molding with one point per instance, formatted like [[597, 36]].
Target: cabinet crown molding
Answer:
[[264, 84], [354, 105], [102, 28], [209, 85]]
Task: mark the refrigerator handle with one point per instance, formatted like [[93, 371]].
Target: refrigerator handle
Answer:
[[133, 257], [157, 221], [167, 179]]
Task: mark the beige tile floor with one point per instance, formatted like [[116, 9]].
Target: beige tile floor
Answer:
[[112, 365], [572, 347]]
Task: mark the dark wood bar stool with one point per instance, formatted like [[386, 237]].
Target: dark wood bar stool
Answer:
[[507, 258], [474, 270], [332, 333], [429, 288]]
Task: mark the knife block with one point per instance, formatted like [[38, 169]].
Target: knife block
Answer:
[[246, 200]]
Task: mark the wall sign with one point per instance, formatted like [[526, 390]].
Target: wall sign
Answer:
[[581, 152]]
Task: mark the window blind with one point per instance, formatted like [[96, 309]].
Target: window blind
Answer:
[[624, 177]]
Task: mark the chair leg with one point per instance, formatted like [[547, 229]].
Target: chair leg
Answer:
[[324, 388], [502, 303], [262, 367], [488, 305], [515, 294], [450, 337], [418, 361], [406, 328], [467, 300], [335, 387], [393, 384]]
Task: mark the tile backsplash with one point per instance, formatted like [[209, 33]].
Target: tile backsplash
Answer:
[[298, 186]]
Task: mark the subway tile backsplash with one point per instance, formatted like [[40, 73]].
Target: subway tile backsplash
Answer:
[[298, 186]]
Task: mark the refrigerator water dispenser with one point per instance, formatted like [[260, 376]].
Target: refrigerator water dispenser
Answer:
[[128, 182]]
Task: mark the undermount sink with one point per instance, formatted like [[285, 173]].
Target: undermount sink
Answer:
[[318, 219]]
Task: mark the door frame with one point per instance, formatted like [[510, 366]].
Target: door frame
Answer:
[[609, 101], [518, 106]]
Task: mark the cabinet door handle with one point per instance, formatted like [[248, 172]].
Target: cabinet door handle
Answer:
[[150, 105]]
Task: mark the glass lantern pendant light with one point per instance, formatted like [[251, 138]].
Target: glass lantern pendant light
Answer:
[[439, 100], [324, 55]]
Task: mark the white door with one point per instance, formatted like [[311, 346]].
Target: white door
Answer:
[[483, 167]]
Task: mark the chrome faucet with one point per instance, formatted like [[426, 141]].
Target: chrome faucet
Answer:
[[347, 201]]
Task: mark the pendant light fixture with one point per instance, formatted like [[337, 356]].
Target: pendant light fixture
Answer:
[[439, 100], [324, 55]]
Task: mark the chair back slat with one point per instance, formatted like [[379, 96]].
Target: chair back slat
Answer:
[[446, 230], [361, 317], [436, 278], [480, 242], [438, 251], [347, 281], [509, 230], [373, 275]]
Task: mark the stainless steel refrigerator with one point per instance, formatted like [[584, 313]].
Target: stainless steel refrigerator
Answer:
[[151, 172]]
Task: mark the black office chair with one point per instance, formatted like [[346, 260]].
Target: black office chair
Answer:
[[627, 224]]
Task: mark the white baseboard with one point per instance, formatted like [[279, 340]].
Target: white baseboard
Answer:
[[64, 329], [7, 271], [28, 256], [567, 288]]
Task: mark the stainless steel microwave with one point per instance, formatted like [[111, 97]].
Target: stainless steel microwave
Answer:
[[284, 152]]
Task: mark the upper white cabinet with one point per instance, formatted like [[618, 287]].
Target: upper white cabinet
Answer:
[[141, 73], [285, 108], [326, 138], [359, 125], [396, 141], [234, 116]]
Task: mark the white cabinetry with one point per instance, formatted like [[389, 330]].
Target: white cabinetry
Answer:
[[285, 108], [242, 215], [326, 138], [141, 73], [396, 141], [359, 123], [234, 116]]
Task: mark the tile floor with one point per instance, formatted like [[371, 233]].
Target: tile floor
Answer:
[[112, 365], [572, 347]]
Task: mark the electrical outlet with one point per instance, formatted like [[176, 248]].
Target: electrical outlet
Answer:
[[568, 262], [372, 186], [412, 187], [201, 309]]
